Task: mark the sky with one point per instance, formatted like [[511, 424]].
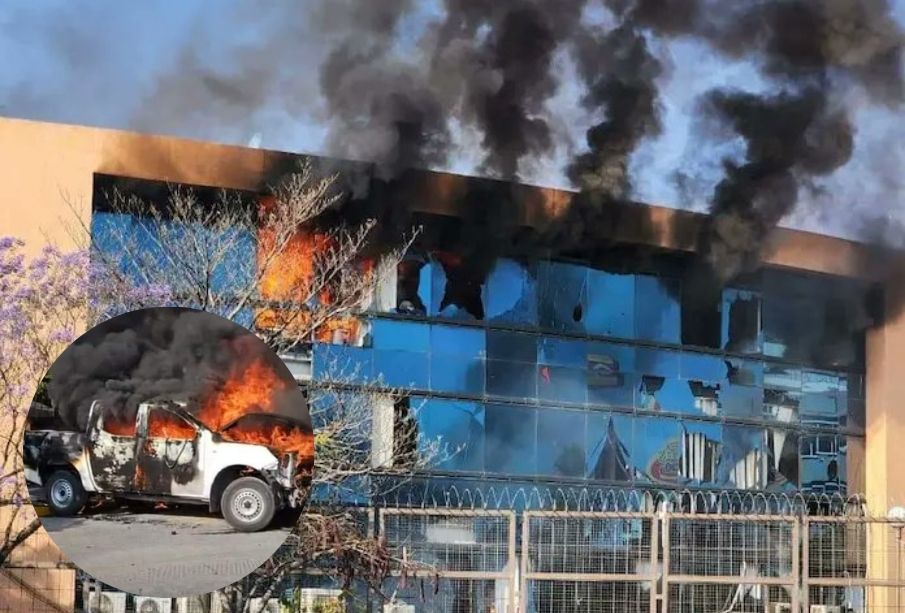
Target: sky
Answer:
[[148, 66]]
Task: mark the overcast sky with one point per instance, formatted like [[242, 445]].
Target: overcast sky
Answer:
[[124, 65]]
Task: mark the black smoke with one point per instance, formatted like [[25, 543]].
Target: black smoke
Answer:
[[172, 353]]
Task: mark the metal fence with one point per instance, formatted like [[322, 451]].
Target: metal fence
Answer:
[[700, 556]]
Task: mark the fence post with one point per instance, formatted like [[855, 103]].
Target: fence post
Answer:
[[664, 590], [796, 569], [654, 560], [805, 561], [523, 580]]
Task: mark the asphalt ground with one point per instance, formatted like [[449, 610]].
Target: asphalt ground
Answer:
[[176, 551]]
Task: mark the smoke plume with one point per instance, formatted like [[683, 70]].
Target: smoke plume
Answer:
[[172, 353]]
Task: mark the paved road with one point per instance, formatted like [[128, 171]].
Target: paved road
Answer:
[[161, 553]]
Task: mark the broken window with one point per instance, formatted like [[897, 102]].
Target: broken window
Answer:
[[456, 288], [782, 460], [413, 285], [742, 392], [782, 393], [510, 293], [700, 312], [699, 453], [563, 296], [743, 458], [510, 446], [166, 425], [657, 312], [741, 323], [561, 443]]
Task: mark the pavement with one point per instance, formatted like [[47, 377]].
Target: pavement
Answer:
[[171, 552]]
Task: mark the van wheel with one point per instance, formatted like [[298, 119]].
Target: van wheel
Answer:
[[65, 494], [248, 504]]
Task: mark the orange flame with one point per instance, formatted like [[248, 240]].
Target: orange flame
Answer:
[[118, 426], [283, 438], [246, 391], [162, 424]]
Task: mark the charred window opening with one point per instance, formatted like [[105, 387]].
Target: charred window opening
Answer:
[[109, 188], [117, 425], [706, 397], [741, 320], [405, 434], [700, 314], [409, 300], [463, 287]]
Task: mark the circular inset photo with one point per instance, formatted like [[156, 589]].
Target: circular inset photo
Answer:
[[171, 449]]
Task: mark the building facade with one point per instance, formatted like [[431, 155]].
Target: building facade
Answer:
[[564, 376]]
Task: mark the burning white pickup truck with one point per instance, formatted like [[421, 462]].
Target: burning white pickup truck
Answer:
[[246, 470]]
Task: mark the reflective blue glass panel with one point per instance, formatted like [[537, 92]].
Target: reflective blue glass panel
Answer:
[[657, 311], [824, 399], [511, 346], [611, 304], [389, 334], [782, 393], [405, 369], [563, 296], [510, 446], [512, 379], [457, 363], [458, 427], [656, 449], [561, 443], [342, 363], [609, 441], [562, 384], [822, 463], [612, 380]]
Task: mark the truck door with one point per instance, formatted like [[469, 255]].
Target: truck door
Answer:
[[111, 450], [169, 461]]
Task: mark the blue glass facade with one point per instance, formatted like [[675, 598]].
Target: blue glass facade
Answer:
[[572, 375]]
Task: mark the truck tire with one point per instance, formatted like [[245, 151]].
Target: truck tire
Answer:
[[248, 504], [65, 494]]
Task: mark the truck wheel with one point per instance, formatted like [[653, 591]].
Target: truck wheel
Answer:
[[248, 504], [65, 494]]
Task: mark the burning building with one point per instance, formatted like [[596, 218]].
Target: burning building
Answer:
[[598, 362]]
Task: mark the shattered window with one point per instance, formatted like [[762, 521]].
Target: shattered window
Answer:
[[458, 426], [563, 296], [743, 459], [742, 393], [612, 378], [657, 312], [741, 322], [782, 393], [413, 285], [782, 460], [824, 399], [561, 443], [510, 293], [455, 287], [457, 359], [611, 304], [699, 453], [510, 445], [823, 463], [609, 447], [661, 389]]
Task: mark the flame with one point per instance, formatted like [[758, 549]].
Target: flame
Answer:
[[283, 438], [141, 480], [119, 426], [247, 390], [162, 424]]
